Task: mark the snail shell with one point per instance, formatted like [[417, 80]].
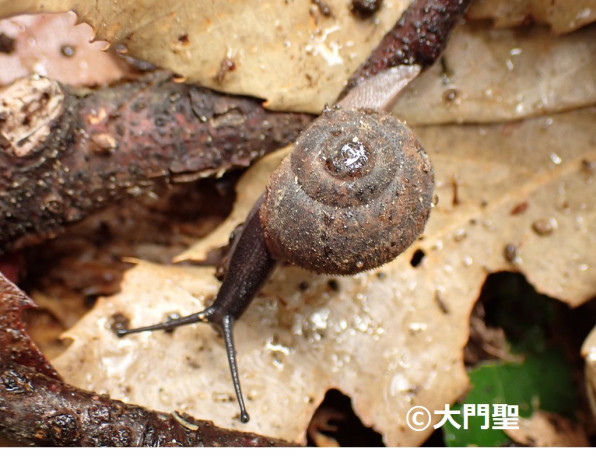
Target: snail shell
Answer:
[[354, 194]]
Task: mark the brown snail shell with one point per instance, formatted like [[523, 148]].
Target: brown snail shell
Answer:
[[354, 194]]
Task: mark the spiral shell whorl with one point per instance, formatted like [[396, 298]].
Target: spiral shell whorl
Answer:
[[352, 196]]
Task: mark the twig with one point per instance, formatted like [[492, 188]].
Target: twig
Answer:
[[414, 43], [66, 154], [37, 407]]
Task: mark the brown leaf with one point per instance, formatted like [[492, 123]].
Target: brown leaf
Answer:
[[253, 39], [545, 429], [485, 75], [388, 341], [562, 16], [489, 75], [51, 45]]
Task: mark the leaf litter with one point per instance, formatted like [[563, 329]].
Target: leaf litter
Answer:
[[496, 74], [390, 338], [390, 341]]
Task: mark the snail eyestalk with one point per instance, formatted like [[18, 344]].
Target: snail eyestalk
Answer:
[[249, 267], [227, 330], [225, 323], [169, 324]]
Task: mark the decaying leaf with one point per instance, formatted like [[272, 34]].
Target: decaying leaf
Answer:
[[240, 47], [545, 429], [489, 75], [51, 45], [485, 75], [562, 16], [389, 340]]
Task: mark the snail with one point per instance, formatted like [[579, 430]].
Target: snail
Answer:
[[355, 192]]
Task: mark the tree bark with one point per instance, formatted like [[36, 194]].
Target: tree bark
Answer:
[[65, 154], [38, 408]]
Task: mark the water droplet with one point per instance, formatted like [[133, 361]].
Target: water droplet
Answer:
[[555, 158], [435, 200], [67, 50], [417, 327], [350, 160], [544, 226], [510, 253], [459, 235], [399, 384]]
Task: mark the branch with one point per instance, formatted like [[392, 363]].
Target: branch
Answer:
[[65, 154], [413, 44], [37, 407]]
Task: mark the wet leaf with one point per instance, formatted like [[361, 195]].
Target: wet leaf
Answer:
[[485, 75], [51, 45], [548, 429], [562, 16], [388, 341], [489, 75], [239, 47], [542, 382]]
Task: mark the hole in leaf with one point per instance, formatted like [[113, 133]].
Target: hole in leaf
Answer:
[[335, 423], [417, 257]]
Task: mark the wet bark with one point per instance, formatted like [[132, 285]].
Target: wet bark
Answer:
[[65, 154], [38, 408], [418, 38]]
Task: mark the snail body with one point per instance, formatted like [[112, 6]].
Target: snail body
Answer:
[[355, 193]]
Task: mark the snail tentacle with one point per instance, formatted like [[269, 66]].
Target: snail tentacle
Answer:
[[250, 265], [355, 193]]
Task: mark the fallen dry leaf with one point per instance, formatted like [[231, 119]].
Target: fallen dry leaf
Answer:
[[252, 39], [545, 429], [489, 75], [51, 45], [562, 16], [485, 75]]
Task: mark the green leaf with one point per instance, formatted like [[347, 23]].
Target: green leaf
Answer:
[[541, 382]]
